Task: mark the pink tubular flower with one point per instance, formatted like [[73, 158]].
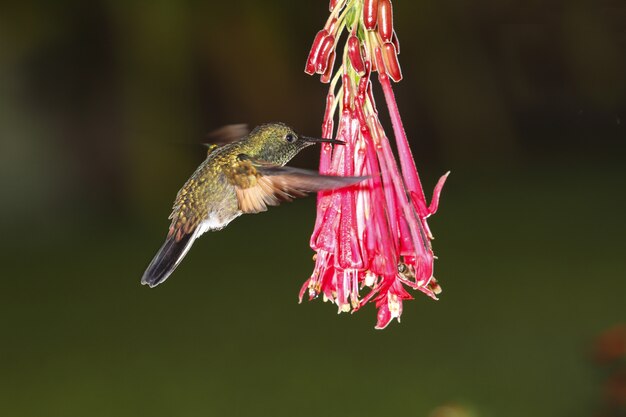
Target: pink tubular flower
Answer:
[[374, 235]]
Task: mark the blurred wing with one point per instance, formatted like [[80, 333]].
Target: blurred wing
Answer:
[[228, 134], [262, 184]]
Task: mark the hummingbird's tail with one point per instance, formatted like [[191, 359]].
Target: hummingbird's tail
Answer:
[[167, 258]]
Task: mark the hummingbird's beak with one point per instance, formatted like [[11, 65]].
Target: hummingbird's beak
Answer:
[[318, 140]]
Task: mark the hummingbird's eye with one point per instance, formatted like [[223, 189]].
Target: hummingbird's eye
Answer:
[[290, 138]]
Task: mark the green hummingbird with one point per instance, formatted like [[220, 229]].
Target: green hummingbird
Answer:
[[244, 175]]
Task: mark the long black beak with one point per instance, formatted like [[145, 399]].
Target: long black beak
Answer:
[[318, 140]]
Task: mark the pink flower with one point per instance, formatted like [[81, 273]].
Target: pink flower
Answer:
[[372, 241]]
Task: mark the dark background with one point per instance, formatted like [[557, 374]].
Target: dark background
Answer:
[[103, 105]]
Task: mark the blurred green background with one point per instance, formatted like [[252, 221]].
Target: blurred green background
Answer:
[[102, 107]]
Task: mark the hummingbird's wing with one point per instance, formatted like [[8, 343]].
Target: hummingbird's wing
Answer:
[[259, 184], [228, 134], [225, 135]]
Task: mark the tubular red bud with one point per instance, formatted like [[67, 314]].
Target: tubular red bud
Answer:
[[396, 42], [325, 78], [311, 62], [354, 53], [370, 14], [324, 54], [391, 61], [385, 20]]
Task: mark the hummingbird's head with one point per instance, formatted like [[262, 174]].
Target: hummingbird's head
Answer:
[[278, 143]]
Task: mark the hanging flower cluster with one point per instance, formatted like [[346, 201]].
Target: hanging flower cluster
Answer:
[[372, 238]]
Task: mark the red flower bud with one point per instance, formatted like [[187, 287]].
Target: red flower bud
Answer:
[[312, 60], [370, 14], [391, 61], [385, 17], [396, 42], [325, 78], [354, 53], [324, 54]]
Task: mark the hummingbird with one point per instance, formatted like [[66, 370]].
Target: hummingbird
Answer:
[[246, 174]]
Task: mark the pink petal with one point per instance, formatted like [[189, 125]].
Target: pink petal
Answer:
[[434, 202]]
